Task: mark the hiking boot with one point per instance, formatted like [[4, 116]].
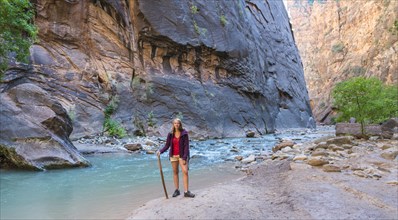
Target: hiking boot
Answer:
[[176, 193], [189, 194]]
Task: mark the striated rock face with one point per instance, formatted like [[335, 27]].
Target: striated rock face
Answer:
[[35, 129], [225, 66], [338, 40]]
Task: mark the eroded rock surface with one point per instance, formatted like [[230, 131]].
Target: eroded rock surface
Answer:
[[225, 66], [35, 129], [343, 39]]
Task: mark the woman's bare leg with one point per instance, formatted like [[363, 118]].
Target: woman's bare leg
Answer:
[[174, 164], [184, 169]]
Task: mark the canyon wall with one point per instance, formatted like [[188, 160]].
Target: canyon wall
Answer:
[[341, 39], [224, 66]]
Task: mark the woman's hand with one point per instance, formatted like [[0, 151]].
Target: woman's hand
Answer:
[[184, 162], [158, 153]]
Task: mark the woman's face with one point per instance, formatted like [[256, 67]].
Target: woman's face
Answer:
[[176, 124]]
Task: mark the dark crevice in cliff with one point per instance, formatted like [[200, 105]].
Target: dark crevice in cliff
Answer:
[[270, 11], [258, 10]]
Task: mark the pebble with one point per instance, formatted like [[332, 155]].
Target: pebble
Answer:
[[249, 159], [317, 161], [300, 157], [392, 182], [331, 168]]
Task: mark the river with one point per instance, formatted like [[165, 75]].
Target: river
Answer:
[[117, 183]]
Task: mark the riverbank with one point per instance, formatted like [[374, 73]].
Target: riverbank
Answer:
[[328, 178]]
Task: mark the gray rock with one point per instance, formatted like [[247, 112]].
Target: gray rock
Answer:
[[389, 127], [151, 143], [35, 129], [300, 157], [317, 161], [150, 152], [249, 159], [282, 145], [133, 147], [392, 182], [319, 152], [347, 146], [386, 146], [239, 158], [354, 129], [250, 134], [340, 140], [323, 145], [331, 168], [389, 154]]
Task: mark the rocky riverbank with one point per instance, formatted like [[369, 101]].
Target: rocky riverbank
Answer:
[[330, 177]]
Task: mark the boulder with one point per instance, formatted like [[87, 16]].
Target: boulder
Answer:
[[151, 143], [392, 182], [35, 129], [339, 141], [280, 146], [133, 147], [300, 157], [249, 159], [386, 146], [331, 168], [239, 158], [317, 161], [319, 152], [389, 154], [250, 134], [354, 129], [389, 128]]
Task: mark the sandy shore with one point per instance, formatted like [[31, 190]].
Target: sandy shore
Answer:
[[293, 189]]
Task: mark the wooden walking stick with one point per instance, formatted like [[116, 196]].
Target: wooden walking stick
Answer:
[[161, 175]]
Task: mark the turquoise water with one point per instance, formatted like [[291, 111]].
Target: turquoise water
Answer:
[[110, 189]]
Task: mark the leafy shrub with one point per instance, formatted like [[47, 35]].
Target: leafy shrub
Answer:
[[17, 31], [111, 126], [366, 99], [114, 128]]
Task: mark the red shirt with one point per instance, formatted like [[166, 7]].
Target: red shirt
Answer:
[[176, 146]]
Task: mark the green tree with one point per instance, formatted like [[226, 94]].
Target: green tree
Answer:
[[366, 99], [17, 31]]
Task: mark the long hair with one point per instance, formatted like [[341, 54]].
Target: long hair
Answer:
[[180, 128]]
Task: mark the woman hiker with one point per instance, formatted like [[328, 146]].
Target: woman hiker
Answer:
[[178, 142]]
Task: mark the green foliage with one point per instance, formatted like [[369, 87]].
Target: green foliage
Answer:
[[223, 20], [366, 99], [111, 126], [338, 48], [114, 128], [394, 28], [111, 107], [17, 31], [196, 27], [151, 119], [194, 9]]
